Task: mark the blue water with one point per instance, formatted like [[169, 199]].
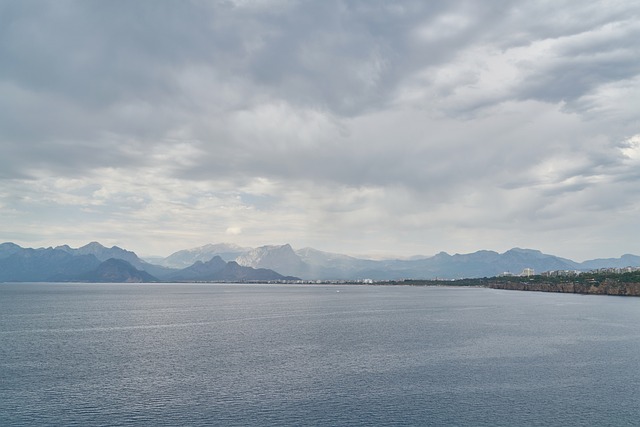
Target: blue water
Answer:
[[242, 355]]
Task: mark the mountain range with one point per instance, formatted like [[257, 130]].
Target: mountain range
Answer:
[[96, 263], [228, 262], [312, 264]]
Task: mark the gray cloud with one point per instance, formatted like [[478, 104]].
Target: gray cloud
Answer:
[[405, 123]]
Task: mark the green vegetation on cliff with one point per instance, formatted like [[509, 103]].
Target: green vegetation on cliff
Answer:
[[586, 283]]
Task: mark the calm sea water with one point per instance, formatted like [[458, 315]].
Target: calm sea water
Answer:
[[242, 355]]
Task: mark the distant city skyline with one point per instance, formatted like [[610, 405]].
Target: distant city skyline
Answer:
[[363, 128]]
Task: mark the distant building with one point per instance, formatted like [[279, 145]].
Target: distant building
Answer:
[[560, 273], [527, 272]]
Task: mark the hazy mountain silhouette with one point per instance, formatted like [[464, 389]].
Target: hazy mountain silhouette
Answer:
[[103, 253], [218, 270], [281, 262], [187, 257], [116, 271], [43, 265]]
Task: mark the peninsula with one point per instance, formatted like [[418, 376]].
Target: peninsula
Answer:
[[596, 283]]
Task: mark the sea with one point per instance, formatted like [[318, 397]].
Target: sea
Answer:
[[315, 355]]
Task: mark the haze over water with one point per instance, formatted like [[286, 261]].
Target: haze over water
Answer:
[[80, 354]]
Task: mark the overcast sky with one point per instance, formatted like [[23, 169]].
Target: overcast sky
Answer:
[[359, 127]]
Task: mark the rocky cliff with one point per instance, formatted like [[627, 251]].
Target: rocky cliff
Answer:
[[605, 288]]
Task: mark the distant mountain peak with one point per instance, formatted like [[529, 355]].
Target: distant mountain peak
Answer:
[[186, 257], [217, 269], [8, 249], [280, 258], [523, 251], [216, 260], [9, 244], [92, 246]]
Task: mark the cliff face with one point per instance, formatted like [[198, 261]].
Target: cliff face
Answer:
[[606, 288]]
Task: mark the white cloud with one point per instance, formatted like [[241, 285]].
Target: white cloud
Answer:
[[631, 148], [234, 231]]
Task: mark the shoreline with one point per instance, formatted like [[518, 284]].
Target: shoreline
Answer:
[[613, 289]]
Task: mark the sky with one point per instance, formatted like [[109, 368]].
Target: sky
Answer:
[[360, 127]]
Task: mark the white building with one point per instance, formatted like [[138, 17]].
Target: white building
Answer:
[[527, 272]]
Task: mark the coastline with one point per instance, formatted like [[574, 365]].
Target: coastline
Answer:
[[619, 289]]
